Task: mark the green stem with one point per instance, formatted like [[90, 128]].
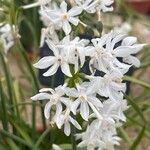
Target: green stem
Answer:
[[14, 137], [3, 107], [73, 140], [36, 86], [8, 78], [41, 138]]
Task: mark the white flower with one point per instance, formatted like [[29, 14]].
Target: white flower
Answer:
[[84, 100], [114, 109], [108, 86], [124, 28], [36, 4], [106, 52], [54, 62], [75, 50], [6, 36], [90, 140], [62, 18], [98, 5], [49, 33], [100, 134], [55, 99], [106, 5], [65, 119]]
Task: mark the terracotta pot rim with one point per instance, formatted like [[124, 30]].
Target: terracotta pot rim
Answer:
[[137, 1]]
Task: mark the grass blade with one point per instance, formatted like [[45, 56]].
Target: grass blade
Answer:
[[41, 138], [138, 139], [4, 109], [134, 80], [16, 138], [136, 107]]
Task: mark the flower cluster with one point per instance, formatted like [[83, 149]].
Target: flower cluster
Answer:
[[6, 36], [97, 97]]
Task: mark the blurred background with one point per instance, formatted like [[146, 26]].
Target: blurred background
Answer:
[[21, 121]]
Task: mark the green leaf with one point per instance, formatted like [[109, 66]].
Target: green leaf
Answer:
[[41, 138], [14, 137], [134, 80], [136, 107], [137, 140], [125, 135], [12, 144], [8, 77], [3, 108], [22, 132]]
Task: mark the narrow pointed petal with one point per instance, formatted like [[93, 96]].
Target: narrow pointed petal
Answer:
[[41, 96], [96, 102], [75, 105], [52, 47], [66, 27], [74, 21], [47, 110], [67, 129], [75, 123], [75, 11], [46, 90], [45, 62], [84, 110], [66, 69], [128, 41], [63, 7], [52, 70]]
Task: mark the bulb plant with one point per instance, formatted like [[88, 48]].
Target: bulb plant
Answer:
[[89, 106]]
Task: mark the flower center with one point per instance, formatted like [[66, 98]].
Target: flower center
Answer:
[[83, 97], [65, 16]]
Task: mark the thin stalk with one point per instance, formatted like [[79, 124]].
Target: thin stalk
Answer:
[[41, 138], [16, 138], [73, 140], [9, 82], [36, 86], [3, 107], [8, 79], [52, 135], [71, 84]]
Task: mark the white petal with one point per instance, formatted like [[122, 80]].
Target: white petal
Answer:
[[74, 106], [52, 70], [52, 47], [116, 40], [66, 70], [59, 121], [45, 62], [66, 27], [46, 90], [67, 128], [63, 7], [128, 41], [84, 110], [71, 92], [123, 51], [75, 11], [65, 101], [41, 96], [47, 110], [56, 147], [74, 21], [58, 109], [75, 123], [96, 102], [132, 60], [82, 56]]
